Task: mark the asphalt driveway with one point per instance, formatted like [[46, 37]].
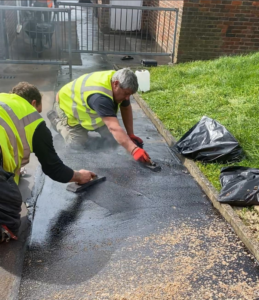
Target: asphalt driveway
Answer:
[[138, 235]]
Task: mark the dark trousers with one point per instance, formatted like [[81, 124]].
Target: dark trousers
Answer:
[[78, 135], [10, 201]]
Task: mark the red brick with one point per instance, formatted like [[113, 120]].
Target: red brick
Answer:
[[204, 8], [236, 3]]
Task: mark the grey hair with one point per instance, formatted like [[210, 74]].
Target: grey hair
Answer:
[[127, 79]]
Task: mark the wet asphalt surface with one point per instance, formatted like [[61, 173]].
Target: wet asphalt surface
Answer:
[[138, 235]]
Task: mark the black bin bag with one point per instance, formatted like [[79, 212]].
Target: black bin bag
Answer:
[[240, 186], [208, 141]]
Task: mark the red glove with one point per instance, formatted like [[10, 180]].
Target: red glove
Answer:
[[141, 155], [136, 140]]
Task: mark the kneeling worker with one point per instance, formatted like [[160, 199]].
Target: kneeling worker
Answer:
[[91, 103], [22, 131]]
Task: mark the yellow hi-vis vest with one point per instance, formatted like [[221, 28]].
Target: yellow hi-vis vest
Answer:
[[73, 98], [18, 121]]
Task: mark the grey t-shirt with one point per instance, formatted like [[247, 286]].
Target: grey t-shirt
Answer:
[[104, 106]]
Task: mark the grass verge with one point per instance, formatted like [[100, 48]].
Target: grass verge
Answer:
[[225, 89]]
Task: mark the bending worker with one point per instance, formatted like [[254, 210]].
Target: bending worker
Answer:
[[22, 131], [91, 103]]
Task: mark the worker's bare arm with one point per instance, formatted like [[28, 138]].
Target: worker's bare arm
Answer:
[[119, 133], [127, 117]]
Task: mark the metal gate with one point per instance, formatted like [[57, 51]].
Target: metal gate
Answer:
[[118, 29], [35, 35]]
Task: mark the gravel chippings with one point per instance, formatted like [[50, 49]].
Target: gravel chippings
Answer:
[[184, 263]]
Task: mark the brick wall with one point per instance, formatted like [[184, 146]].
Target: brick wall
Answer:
[[212, 28], [161, 25]]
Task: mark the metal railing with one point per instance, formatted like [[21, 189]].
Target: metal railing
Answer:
[[37, 37], [58, 35], [129, 30]]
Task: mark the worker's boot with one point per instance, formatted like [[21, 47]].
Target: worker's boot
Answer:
[[6, 234], [54, 119]]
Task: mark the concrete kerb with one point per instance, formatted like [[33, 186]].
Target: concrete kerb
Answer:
[[226, 210]]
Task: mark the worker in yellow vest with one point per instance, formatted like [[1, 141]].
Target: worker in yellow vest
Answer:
[[91, 103], [23, 131]]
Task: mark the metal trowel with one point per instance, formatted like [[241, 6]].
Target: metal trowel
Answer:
[[153, 166], [77, 188]]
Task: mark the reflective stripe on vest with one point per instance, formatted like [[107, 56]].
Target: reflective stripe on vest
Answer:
[[86, 89], [12, 139], [74, 105], [19, 124], [73, 98]]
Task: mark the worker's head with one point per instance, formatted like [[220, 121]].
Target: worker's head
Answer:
[[124, 84], [30, 93]]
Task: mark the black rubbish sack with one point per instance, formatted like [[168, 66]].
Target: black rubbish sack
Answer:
[[209, 141], [239, 186]]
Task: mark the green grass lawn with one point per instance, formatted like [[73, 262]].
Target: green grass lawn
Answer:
[[226, 89]]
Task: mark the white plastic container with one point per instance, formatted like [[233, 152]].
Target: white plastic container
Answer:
[[143, 80]]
